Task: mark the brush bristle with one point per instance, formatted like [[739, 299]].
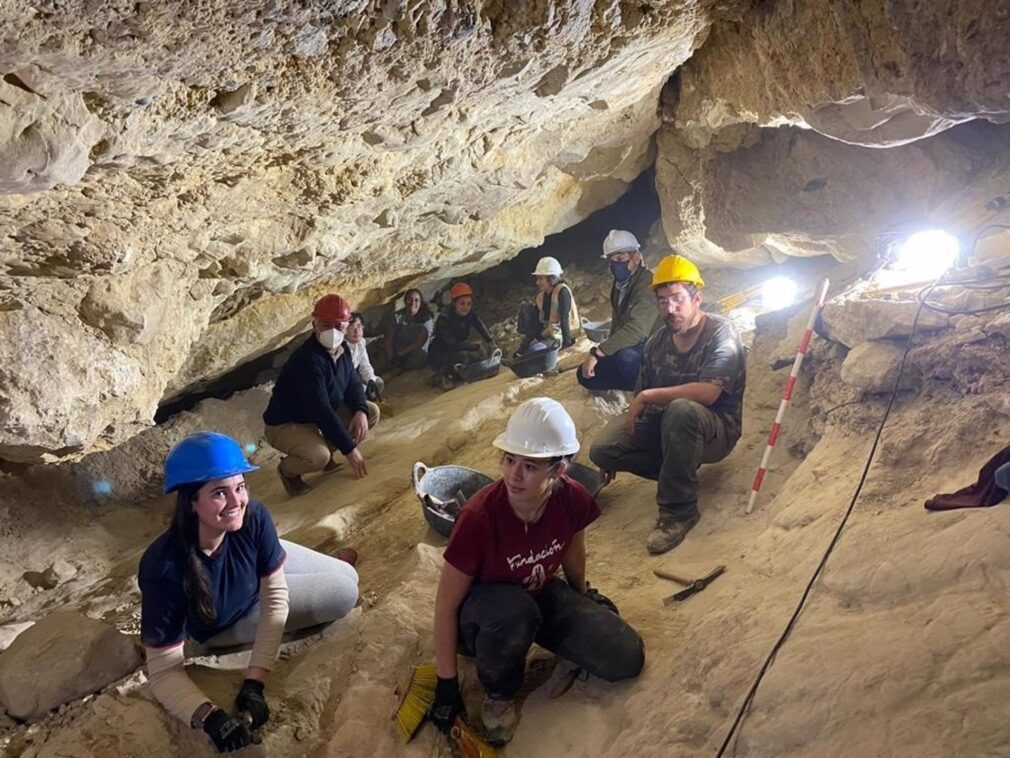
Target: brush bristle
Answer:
[[417, 697]]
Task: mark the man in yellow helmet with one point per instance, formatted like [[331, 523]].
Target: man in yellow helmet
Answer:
[[688, 404]]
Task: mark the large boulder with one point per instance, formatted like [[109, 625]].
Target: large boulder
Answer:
[[853, 322], [61, 658], [873, 367]]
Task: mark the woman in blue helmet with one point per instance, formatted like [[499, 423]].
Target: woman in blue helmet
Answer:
[[221, 576]]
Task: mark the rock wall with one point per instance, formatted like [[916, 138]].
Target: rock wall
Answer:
[[773, 134], [182, 179]]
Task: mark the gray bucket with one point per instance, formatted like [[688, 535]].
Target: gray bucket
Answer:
[[587, 477], [439, 488], [596, 331], [485, 369], [533, 363]]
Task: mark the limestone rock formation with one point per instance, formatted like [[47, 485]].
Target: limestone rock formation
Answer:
[[183, 179], [78, 656], [873, 366], [870, 73]]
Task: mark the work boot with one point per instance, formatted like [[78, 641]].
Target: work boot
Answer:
[[499, 717], [447, 383], [293, 485], [669, 532], [332, 466]]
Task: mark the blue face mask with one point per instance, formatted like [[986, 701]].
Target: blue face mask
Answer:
[[620, 271]]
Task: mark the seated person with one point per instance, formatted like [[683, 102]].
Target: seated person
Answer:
[[614, 363], [457, 330], [407, 335], [355, 339], [552, 317], [318, 404], [220, 575], [498, 593]]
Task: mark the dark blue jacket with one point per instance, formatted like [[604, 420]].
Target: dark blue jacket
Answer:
[[311, 386]]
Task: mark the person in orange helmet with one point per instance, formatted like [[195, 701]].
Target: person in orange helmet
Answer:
[[457, 331]]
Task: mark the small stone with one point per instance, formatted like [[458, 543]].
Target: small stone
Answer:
[[60, 572]]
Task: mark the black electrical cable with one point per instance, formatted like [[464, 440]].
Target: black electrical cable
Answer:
[[834, 540]]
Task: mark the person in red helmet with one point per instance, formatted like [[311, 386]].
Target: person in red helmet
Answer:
[[318, 404], [456, 332]]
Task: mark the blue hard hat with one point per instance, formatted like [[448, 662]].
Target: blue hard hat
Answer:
[[204, 456]]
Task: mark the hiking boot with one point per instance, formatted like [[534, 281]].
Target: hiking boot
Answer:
[[499, 717], [293, 485], [669, 532], [447, 383], [332, 466]]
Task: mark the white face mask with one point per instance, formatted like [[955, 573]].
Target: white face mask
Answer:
[[331, 338]]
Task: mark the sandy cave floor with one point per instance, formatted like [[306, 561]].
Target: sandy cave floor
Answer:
[[903, 649]]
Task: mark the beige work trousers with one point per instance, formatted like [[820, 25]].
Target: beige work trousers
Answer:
[[305, 447]]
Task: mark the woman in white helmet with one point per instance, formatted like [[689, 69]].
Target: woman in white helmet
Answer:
[[498, 593], [552, 315]]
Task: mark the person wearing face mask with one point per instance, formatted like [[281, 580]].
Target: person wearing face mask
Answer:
[[318, 404], [552, 317], [688, 406], [407, 335], [460, 337], [614, 363], [221, 577], [498, 593]]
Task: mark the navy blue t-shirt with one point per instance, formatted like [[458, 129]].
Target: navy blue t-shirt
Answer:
[[233, 574]]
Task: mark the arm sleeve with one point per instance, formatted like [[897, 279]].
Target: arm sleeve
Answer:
[[467, 542], [583, 505], [365, 370], [325, 415], [645, 370], [564, 314], [481, 329], [724, 364], [446, 334], [273, 598], [637, 327], [169, 683], [354, 393]]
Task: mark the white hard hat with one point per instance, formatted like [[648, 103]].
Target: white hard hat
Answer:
[[539, 428], [548, 266], [619, 241]]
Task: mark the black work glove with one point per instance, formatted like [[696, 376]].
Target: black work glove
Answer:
[[372, 390], [447, 705], [598, 597], [228, 733], [251, 700]]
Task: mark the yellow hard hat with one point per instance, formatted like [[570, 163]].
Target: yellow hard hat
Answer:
[[676, 268]]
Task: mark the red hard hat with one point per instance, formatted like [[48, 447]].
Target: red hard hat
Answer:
[[332, 308], [460, 289]]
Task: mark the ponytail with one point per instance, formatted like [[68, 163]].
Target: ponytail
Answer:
[[185, 527]]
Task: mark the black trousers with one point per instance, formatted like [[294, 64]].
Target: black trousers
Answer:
[[498, 623]]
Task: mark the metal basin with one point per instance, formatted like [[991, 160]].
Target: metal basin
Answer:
[[533, 363], [485, 369], [596, 331], [439, 489], [587, 477]]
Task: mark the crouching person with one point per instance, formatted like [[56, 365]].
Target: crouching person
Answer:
[[221, 576], [498, 593]]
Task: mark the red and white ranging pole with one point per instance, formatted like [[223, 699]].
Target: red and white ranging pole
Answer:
[[787, 393]]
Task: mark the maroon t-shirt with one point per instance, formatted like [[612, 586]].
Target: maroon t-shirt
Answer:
[[492, 544]]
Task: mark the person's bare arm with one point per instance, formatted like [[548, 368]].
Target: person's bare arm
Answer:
[[574, 563]]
